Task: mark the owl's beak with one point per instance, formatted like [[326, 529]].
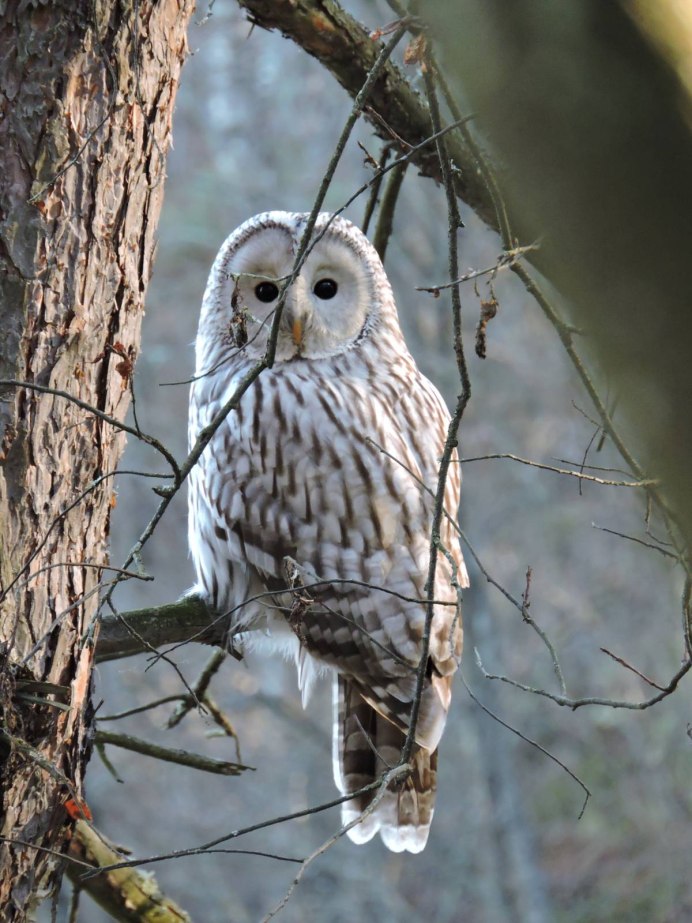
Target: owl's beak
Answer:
[[295, 320]]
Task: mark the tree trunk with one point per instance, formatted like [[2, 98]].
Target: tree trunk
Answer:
[[86, 99]]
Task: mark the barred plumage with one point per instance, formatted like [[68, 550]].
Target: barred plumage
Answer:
[[311, 491]]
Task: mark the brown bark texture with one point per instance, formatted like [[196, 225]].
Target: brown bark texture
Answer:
[[86, 100]]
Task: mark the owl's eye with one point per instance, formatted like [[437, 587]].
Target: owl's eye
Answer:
[[266, 292], [325, 288]]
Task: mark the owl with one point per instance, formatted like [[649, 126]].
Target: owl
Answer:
[[309, 518]]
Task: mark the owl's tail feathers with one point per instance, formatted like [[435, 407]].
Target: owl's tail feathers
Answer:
[[365, 746]]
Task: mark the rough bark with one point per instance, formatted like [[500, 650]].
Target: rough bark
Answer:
[[86, 99]]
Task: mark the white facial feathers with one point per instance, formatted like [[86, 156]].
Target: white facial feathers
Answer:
[[340, 293]]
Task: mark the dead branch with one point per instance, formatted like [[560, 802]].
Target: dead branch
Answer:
[[126, 894], [169, 755]]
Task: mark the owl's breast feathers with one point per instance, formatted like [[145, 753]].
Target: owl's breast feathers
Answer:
[[328, 473], [311, 509]]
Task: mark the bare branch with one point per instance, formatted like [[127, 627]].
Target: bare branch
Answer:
[[566, 471], [398, 773], [396, 111], [375, 190], [190, 619], [199, 688], [122, 635], [94, 411], [181, 757], [451, 442], [212, 845], [551, 756], [628, 666], [574, 704], [516, 603], [639, 541], [165, 700], [14, 583], [504, 261], [385, 218]]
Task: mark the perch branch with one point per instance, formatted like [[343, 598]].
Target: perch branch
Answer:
[[141, 629]]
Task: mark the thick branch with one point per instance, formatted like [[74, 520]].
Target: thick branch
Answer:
[[126, 894], [345, 48], [188, 619]]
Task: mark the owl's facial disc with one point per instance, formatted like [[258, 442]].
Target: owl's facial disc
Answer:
[[326, 307]]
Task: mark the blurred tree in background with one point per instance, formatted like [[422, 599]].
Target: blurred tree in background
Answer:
[[585, 111]]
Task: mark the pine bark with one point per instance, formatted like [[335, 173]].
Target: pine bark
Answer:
[[86, 100]]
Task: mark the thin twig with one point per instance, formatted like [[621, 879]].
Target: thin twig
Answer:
[[639, 541], [551, 756], [385, 217], [244, 831], [529, 620], [37, 195], [220, 719], [390, 778], [687, 616], [574, 704], [166, 700], [628, 666], [375, 190], [451, 440], [566, 471], [58, 519], [127, 574], [147, 646], [506, 259], [460, 532], [94, 411], [582, 466], [199, 688]]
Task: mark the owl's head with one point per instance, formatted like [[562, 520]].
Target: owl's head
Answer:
[[339, 297]]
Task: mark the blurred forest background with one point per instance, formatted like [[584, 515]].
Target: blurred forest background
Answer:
[[255, 125]]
